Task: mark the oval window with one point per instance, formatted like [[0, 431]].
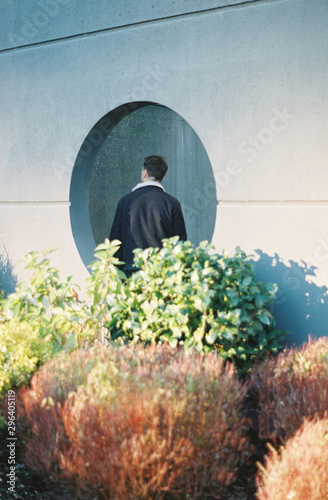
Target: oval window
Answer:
[[109, 164]]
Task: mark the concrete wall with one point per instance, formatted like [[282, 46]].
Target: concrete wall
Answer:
[[250, 78]]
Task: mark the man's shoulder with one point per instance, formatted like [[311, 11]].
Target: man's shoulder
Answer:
[[126, 197], [148, 191], [171, 198], [161, 193], [133, 195]]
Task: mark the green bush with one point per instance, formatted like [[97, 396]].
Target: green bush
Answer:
[[134, 422], [298, 471], [22, 351], [45, 315], [193, 296], [52, 305], [48, 304], [181, 295]]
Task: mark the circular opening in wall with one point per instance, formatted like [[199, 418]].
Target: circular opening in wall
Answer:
[[109, 164]]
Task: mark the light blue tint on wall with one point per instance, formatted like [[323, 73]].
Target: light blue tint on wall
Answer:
[[109, 165], [26, 22]]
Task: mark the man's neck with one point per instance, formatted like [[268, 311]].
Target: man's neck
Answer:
[[148, 182], [149, 178]]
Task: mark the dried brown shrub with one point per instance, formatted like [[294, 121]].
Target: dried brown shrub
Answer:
[[130, 423], [39, 425], [299, 470], [290, 388]]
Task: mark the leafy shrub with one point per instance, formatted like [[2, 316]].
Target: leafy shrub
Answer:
[[196, 297], [22, 350], [182, 295], [135, 422], [8, 280], [105, 282], [43, 316], [52, 306], [299, 470], [48, 304], [290, 387]]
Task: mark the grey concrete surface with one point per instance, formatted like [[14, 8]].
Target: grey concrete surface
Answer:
[[248, 78], [26, 22]]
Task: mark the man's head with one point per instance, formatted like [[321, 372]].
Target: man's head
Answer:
[[156, 167]]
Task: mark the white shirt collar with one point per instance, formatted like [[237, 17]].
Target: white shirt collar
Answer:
[[148, 183]]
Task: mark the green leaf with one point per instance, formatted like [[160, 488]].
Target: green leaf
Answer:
[[262, 340], [234, 297], [259, 300], [199, 334], [229, 334], [212, 335], [247, 281], [264, 318]]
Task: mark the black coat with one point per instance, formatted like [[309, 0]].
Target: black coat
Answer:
[[143, 218]]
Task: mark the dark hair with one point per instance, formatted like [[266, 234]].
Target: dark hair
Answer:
[[156, 166]]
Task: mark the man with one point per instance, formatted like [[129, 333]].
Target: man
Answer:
[[147, 215]]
